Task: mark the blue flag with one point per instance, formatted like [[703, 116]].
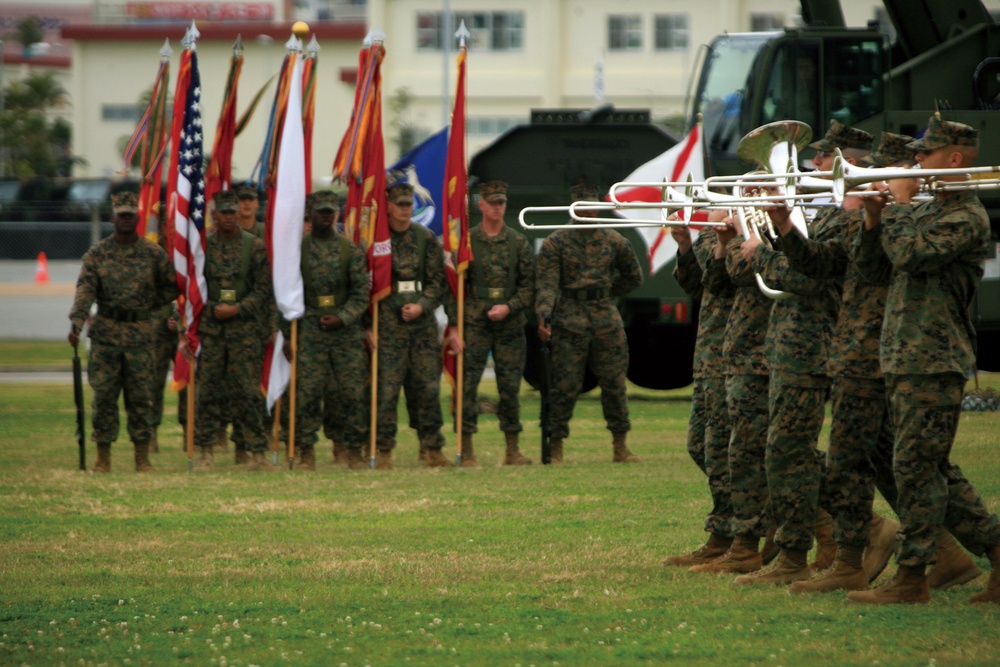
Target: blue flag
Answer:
[[423, 168]]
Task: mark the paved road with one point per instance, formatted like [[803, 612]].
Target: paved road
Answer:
[[32, 311]]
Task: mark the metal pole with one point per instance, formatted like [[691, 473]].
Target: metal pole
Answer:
[[446, 62]]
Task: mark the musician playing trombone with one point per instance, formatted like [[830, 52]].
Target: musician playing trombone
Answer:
[[935, 252], [798, 343]]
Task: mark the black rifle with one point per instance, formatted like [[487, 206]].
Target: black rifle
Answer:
[[81, 437], [545, 391]]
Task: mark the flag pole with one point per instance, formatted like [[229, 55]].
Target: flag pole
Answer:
[[189, 433], [291, 395], [373, 421], [460, 369], [276, 428]]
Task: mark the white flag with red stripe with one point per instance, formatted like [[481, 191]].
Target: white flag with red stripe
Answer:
[[684, 160]]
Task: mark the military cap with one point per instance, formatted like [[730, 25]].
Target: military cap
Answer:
[[323, 200], [892, 149], [399, 193], [247, 191], [841, 136], [494, 192], [125, 202], [226, 201], [945, 133], [584, 192]]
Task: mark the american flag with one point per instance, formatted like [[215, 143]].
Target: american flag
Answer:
[[187, 203]]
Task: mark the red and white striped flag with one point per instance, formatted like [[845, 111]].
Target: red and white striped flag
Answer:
[[683, 160], [186, 204]]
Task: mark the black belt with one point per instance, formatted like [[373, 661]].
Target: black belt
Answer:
[[587, 293], [124, 314]]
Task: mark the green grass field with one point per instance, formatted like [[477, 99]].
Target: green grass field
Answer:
[[489, 566]]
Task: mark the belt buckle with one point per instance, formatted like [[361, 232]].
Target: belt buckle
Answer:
[[327, 300], [406, 286], [227, 296], [496, 292]]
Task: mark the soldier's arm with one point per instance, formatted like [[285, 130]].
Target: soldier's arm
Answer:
[[816, 259], [260, 292], [628, 274], [87, 285], [166, 279], [774, 268], [927, 248], [546, 279], [738, 268], [434, 275], [869, 256], [716, 278], [688, 274], [358, 294], [525, 283]]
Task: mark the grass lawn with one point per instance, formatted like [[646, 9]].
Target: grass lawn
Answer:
[[489, 566]]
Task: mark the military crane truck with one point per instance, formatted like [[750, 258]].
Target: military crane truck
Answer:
[[560, 148], [945, 57]]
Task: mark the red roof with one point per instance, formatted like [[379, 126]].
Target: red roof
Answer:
[[212, 30]]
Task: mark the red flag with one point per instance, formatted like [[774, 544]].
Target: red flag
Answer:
[[220, 169], [308, 112], [151, 134], [186, 204]]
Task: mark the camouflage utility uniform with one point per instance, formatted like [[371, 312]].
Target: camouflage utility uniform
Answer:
[[578, 274], [230, 362], [129, 282]]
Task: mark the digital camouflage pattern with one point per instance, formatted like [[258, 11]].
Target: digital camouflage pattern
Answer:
[[332, 362], [798, 343], [127, 281], [410, 352], [586, 331], [231, 350], [506, 338], [164, 351], [746, 328], [843, 136], [709, 419]]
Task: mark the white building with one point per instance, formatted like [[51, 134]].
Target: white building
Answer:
[[524, 54]]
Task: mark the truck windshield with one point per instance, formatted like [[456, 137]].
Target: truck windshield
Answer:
[[722, 87]]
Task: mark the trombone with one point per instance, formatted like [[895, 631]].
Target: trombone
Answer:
[[846, 177]]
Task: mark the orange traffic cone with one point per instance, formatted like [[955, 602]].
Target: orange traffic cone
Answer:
[[42, 269]]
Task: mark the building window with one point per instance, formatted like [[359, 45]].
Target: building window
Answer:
[[765, 22], [491, 125], [671, 32], [120, 112], [491, 31], [625, 32]]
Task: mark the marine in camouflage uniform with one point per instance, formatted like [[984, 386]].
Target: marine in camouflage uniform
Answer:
[[409, 346], [164, 350], [746, 394], [578, 274], [704, 277], [798, 346], [129, 278], [936, 250], [230, 362], [331, 338], [499, 291]]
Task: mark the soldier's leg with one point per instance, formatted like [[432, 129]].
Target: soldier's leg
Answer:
[[609, 362], [393, 365], [747, 398], [104, 372], [425, 375], [717, 436], [244, 370], [477, 351], [696, 424], [209, 392], [350, 378], [793, 470], [315, 370], [510, 350], [165, 350], [138, 367], [569, 363]]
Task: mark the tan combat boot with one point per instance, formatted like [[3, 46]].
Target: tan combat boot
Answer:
[[770, 550], [953, 567], [205, 462], [258, 461], [513, 455], [220, 442], [556, 450], [383, 460], [741, 557], [422, 454], [142, 463], [881, 545], [355, 460], [103, 457], [240, 456], [339, 452], [621, 452], [435, 459], [468, 453], [154, 444], [307, 458], [992, 592], [716, 546], [909, 586], [846, 574], [789, 566], [826, 548]]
